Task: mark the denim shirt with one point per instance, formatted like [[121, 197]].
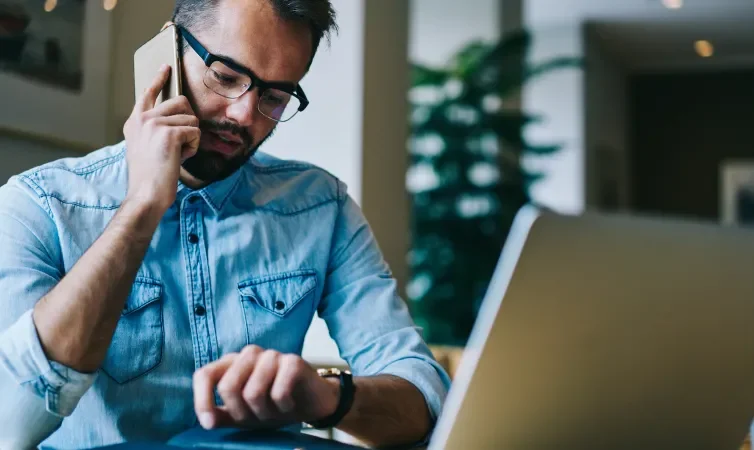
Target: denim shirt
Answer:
[[247, 260]]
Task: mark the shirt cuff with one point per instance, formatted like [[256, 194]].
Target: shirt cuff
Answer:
[[21, 354], [429, 378]]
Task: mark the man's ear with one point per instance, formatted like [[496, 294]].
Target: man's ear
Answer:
[[167, 24]]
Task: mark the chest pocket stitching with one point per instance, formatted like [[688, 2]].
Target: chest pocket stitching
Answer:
[[289, 288], [143, 292], [125, 362]]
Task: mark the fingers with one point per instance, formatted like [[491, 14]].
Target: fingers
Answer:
[[256, 393], [205, 380], [193, 137], [232, 383], [289, 374], [174, 106], [257, 388], [180, 120], [149, 97]]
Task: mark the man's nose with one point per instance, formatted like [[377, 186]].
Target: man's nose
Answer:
[[243, 110]]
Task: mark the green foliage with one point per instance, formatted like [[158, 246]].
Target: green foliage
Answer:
[[466, 177]]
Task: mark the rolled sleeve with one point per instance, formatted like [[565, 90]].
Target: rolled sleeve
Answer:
[[36, 393], [367, 318], [427, 376], [22, 356]]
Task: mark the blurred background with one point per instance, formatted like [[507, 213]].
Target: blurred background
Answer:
[[444, 117]]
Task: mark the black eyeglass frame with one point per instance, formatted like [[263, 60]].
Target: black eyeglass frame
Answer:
[[209, 58]]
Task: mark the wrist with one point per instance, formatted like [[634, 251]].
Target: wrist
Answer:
[[334, 397], [343, 390], [140, 215]]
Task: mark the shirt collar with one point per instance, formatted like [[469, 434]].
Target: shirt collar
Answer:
[[217, 193]]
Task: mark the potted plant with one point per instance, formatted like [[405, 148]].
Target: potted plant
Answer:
[[466, 177]]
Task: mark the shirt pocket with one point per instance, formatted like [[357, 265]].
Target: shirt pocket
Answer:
[[138, 340], [267, 300]]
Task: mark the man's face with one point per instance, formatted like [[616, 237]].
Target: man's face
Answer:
[[250, 33]]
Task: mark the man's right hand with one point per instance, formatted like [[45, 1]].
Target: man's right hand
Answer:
[[158, 139]]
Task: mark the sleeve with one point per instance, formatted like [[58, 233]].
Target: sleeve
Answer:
[[37, 394], [366, 317]]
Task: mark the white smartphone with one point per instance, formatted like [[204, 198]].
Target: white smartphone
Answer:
[[161, 49]]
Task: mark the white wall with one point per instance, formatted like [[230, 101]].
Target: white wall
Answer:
[[558, 97], [439, 28], [329, 132], [134, 23]]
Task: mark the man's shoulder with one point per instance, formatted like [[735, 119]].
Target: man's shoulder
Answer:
[[100, 169], [84, 165], [298, 178]]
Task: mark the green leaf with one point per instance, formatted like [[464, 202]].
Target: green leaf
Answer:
[[467, 61], [565, 62], [426, 76]]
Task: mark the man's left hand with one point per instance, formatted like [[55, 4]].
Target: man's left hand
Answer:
[[262, 388]]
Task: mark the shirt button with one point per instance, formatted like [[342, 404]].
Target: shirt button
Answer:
[[279, 305], [199, 310], [194, 199], [193, 238]]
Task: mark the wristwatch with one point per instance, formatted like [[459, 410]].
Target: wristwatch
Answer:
[[347, 390]]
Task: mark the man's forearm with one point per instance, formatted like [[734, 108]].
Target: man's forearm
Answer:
[[387, 411], [76, 320]]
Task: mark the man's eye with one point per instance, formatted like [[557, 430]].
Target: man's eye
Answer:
[[224, 79], [273, 99]]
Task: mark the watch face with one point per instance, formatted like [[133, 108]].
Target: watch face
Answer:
[[330, 372]]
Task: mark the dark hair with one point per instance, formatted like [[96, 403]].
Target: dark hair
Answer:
[[319, 15]]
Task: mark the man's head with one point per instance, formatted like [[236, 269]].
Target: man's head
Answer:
[[275, 40]]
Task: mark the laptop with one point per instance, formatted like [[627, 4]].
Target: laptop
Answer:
[[609, 332]]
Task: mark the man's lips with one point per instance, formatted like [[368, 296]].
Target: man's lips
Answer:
[[221, 142]]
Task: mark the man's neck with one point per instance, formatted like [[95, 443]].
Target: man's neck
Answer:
[[190, 181]]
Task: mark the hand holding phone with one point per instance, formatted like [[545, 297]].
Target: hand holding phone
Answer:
[[158, 138]]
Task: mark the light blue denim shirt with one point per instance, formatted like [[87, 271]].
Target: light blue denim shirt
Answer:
[[248, 260]]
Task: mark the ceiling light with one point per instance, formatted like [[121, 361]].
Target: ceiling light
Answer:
[[109, 5], [50, 5], [704, 48], [672, 4]]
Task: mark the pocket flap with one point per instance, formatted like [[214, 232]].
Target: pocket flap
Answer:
[[143, 292], [279, 293]]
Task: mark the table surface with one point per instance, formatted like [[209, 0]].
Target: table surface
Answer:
[[229, 438]]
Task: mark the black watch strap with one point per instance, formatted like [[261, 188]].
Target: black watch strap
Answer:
[[347, 390]]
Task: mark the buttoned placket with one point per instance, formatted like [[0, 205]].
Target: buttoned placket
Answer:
[[200, 310]]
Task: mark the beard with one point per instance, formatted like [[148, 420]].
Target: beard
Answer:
[[209, 166]]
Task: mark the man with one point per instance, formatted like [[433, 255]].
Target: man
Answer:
[[169, 280]]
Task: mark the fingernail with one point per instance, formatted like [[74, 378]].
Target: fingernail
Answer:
[[207, 420]]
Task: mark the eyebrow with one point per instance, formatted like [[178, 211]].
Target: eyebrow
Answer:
[[229, 59]]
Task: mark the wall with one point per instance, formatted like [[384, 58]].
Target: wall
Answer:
[[129, 28], [558, 97], [45, 110], [605, 133], [134, 23], [385, 130], [438, 28], [683, 126]]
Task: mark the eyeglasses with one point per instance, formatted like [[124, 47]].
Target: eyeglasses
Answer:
[[278, 101]]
